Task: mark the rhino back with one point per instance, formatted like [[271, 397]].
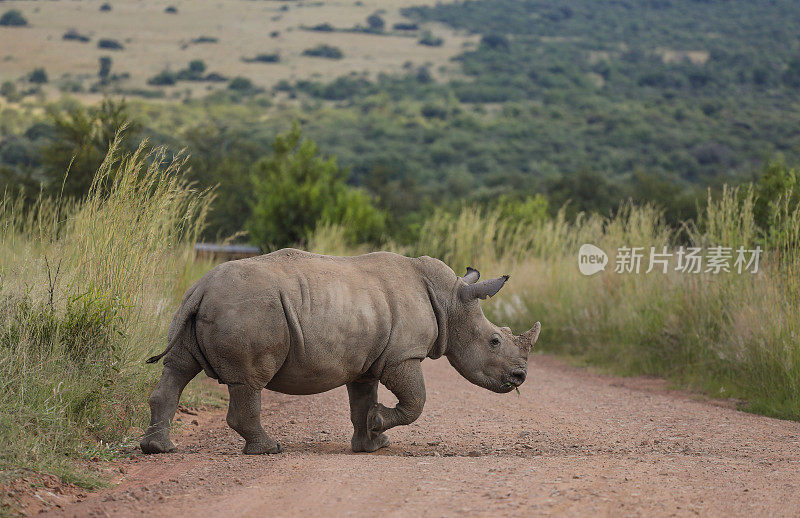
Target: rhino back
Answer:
[[310, 322]]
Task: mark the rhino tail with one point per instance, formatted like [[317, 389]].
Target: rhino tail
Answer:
[[188, 309]]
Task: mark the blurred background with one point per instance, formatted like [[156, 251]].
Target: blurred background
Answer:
[[498, 134]]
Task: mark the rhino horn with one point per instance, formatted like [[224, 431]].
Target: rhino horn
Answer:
[[472, 275], [482, 289], [532, 334]]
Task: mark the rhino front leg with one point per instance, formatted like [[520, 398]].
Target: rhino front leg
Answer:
[[244, 411], [363, 395], [406, 382]]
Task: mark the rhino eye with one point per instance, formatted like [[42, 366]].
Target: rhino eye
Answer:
[[494, 341]]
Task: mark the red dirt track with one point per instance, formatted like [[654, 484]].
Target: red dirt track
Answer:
[[573, 443]]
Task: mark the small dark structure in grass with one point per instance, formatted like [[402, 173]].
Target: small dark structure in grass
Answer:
[[324, 51], [38, 76], [171, 10], [73, 35], [105, 7], [322, 27], [205, 39], [405, 26], [430, 40], [109, 44], [263, 58], [13, 18]]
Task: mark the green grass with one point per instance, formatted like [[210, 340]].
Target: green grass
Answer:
[[86, 293]]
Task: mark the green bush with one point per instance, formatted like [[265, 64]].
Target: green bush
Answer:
[[324, 51], [241, 84], [38, 76], [429, 40], [296, 190], [73, 35], [375, 23], [109, 44], [13, 18], [163, 78], [264, 58]]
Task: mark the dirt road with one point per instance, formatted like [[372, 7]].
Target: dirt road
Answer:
[[573, 443]]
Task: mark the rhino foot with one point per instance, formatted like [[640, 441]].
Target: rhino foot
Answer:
[[262, 448], [367, 444], [156, 446]]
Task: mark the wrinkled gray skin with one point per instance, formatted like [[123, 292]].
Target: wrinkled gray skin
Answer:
[[301, 323]]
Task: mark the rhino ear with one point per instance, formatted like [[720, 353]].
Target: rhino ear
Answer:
[[482, 289], [532, 334], [472, 275]]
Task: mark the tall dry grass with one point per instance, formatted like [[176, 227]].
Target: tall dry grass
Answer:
[[86, 292], [729, 334]]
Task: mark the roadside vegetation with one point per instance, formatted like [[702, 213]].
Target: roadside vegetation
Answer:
[[87, 287]]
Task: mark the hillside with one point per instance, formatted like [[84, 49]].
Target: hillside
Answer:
[[590, 103]]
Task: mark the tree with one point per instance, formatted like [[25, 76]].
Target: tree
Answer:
[[38, 76], [105, 69], [295, 190], [375, 22], [81, 140], [13, 18]]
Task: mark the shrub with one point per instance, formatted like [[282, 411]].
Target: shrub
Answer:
[[9, 90], [163, 78], [324, 51], [171, 10], [38, 76], [105, 7], [322, 27], [495, 41], [214, 77], [104, 71], [193, 72], [13, 18], [109, 44], [264, 58], [274, 34], [375, 22], [241, 84], [430, 40], [401, 26], [205, 39], [73, 35]]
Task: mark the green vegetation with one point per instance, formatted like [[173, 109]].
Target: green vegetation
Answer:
[[109, 44], [324, 51], [13, 18], [73, 35], [430, 40], [264, 58], [84, 284], [38, 76], [296, 191]]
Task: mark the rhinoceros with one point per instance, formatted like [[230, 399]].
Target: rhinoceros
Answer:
[[302, 323]]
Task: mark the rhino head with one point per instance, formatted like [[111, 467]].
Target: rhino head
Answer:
[[485, 354]]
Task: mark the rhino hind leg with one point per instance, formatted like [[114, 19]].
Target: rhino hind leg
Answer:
[[163, 404], [244, 412], [363, 396]]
